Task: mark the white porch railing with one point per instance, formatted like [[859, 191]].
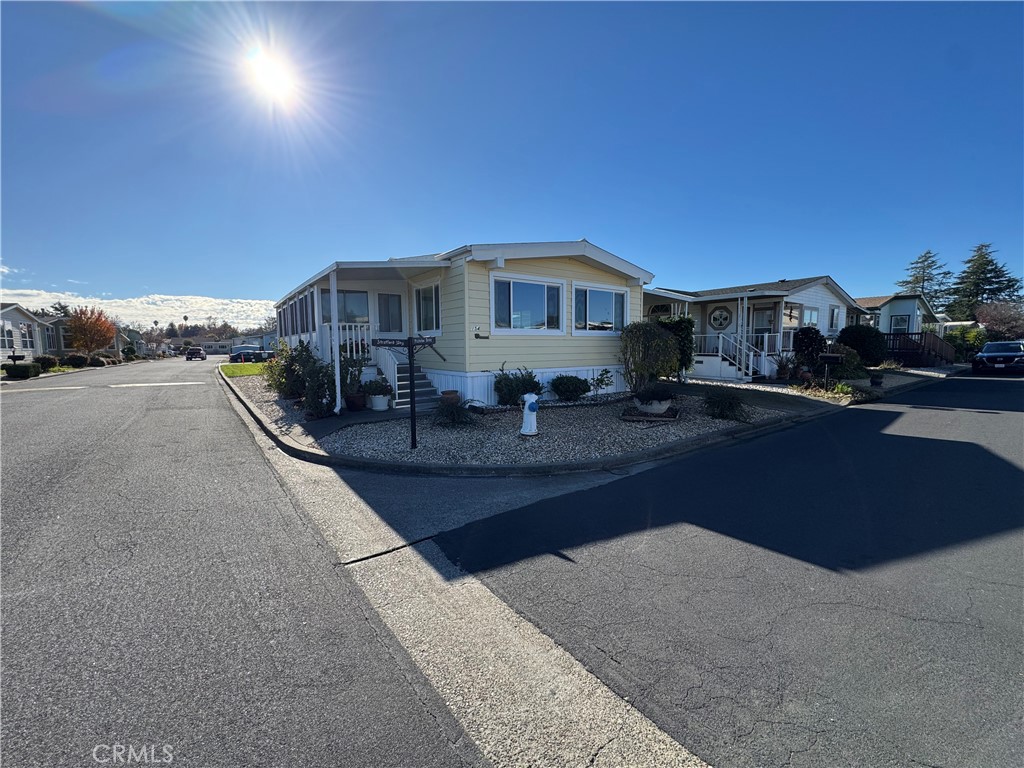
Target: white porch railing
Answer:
[[354, 341], [388, 362], [748, 358]]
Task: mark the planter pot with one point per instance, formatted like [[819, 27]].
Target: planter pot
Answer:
[[355, 402], [876, 379], [655, 406], [451, 396], [379, 402]]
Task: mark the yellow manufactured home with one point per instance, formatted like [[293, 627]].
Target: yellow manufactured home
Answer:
[[554, 307]]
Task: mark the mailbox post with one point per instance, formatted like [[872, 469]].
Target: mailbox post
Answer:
[[411, 345], [829, 358]]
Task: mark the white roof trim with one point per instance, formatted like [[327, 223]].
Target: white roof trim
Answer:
[[395, 265], [576, 249]]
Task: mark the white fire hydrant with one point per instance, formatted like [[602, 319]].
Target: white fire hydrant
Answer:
[[529, 414]]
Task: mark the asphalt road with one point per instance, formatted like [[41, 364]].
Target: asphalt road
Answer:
[[161, 591], [847, 592]]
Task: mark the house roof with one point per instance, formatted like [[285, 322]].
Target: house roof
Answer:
[[498, 253], [783, 287], [874, 303], [10, 306]]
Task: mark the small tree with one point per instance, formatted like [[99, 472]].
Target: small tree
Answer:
[[648, 351], [1003, 321], [682, 329], [89, 329], [808, 343]]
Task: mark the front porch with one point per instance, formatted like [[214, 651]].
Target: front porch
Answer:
[[730, 356]]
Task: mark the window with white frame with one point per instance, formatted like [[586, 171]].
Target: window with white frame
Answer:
[[28, 336], [525, 304], [7, 339], [51, 337], [353, 306], [833, 317], [598, 309], [810, 317], [428, 308]]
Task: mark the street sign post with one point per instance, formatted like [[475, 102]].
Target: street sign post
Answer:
[[412, 345]]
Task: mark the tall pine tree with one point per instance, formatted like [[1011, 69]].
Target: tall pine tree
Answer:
[[983, 281], [925, 275]]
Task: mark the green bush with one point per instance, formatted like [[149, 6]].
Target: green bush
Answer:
[[318, 395], [851, 368], [890, 365], [22, 370], [453, 414], [46, 362], [509, 386], [808, 343], [569, 388], [129, 349], [682, 329], [75, 360], [724, 403], [868, 341], [284, 373], [97, 362], [648, 351]]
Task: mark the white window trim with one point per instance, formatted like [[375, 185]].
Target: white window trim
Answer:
[[415, 309], [817, 315], [600, 287], [839, 316], [537, 280]]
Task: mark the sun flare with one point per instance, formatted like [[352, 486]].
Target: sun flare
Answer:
[[272, 77]]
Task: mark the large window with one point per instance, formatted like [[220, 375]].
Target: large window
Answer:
[[389, 312], [527, 305], [428, 308], [353, 306], [600, 310], [7, 339], [28, 336], [51, 338]]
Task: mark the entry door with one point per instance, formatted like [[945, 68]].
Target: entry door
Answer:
[[391, 322], [764, 320]]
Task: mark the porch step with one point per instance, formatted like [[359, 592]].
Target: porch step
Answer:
[[427, 397]]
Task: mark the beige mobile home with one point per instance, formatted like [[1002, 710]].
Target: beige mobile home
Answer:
[[553, 307]]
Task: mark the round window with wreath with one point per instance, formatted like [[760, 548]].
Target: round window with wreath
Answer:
[[720, 318]]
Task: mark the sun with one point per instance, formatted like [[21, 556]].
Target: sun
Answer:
[[272, 77]]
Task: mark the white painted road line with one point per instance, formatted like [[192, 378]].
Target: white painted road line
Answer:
[[37, 389], [157, 384], [523, 699]]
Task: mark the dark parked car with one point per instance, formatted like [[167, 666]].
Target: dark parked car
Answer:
[[195, 353], [999, 357]]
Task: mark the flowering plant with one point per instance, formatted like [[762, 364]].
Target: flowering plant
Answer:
[[378, 386]]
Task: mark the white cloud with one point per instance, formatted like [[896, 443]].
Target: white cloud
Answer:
[[77, 282], [145, 309]]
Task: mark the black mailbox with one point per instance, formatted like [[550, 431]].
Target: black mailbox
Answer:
[[830, 358], [15, 358]]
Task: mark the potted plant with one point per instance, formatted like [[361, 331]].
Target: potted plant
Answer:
[[379, 393], [450, 396], [876, 378], [351, 375], [785, 362], [653, 398]]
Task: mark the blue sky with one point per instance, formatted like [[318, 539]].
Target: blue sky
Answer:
[[711, 143]]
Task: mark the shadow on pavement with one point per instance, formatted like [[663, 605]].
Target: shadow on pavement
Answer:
[[838, 492]]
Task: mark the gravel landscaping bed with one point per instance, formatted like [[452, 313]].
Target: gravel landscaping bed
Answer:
[[588, 431]]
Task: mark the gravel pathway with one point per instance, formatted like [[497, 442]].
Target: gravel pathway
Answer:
[[566, 433]]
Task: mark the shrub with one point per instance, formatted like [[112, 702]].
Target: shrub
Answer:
[[129, 350], [785, 364], [75, 360], [569, 388], [842, 388], [682, 329], [285, 372], [850, 368], [724, 403], [378, 386], [890, 365], [450, 413], [509, 386], [97, 362], [808, 343], [655, 392], [22, 370], [868, 341], [46, 362], [648, 351], [318, 393], [602, 380]]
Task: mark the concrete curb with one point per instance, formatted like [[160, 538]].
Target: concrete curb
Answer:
[[666, 451]]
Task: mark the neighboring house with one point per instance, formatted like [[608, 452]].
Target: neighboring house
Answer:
[[553, 307], [912, 329], [214, 346], [58, 339], [260, 341], [899, 313], [738, 329], [21, 333]]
